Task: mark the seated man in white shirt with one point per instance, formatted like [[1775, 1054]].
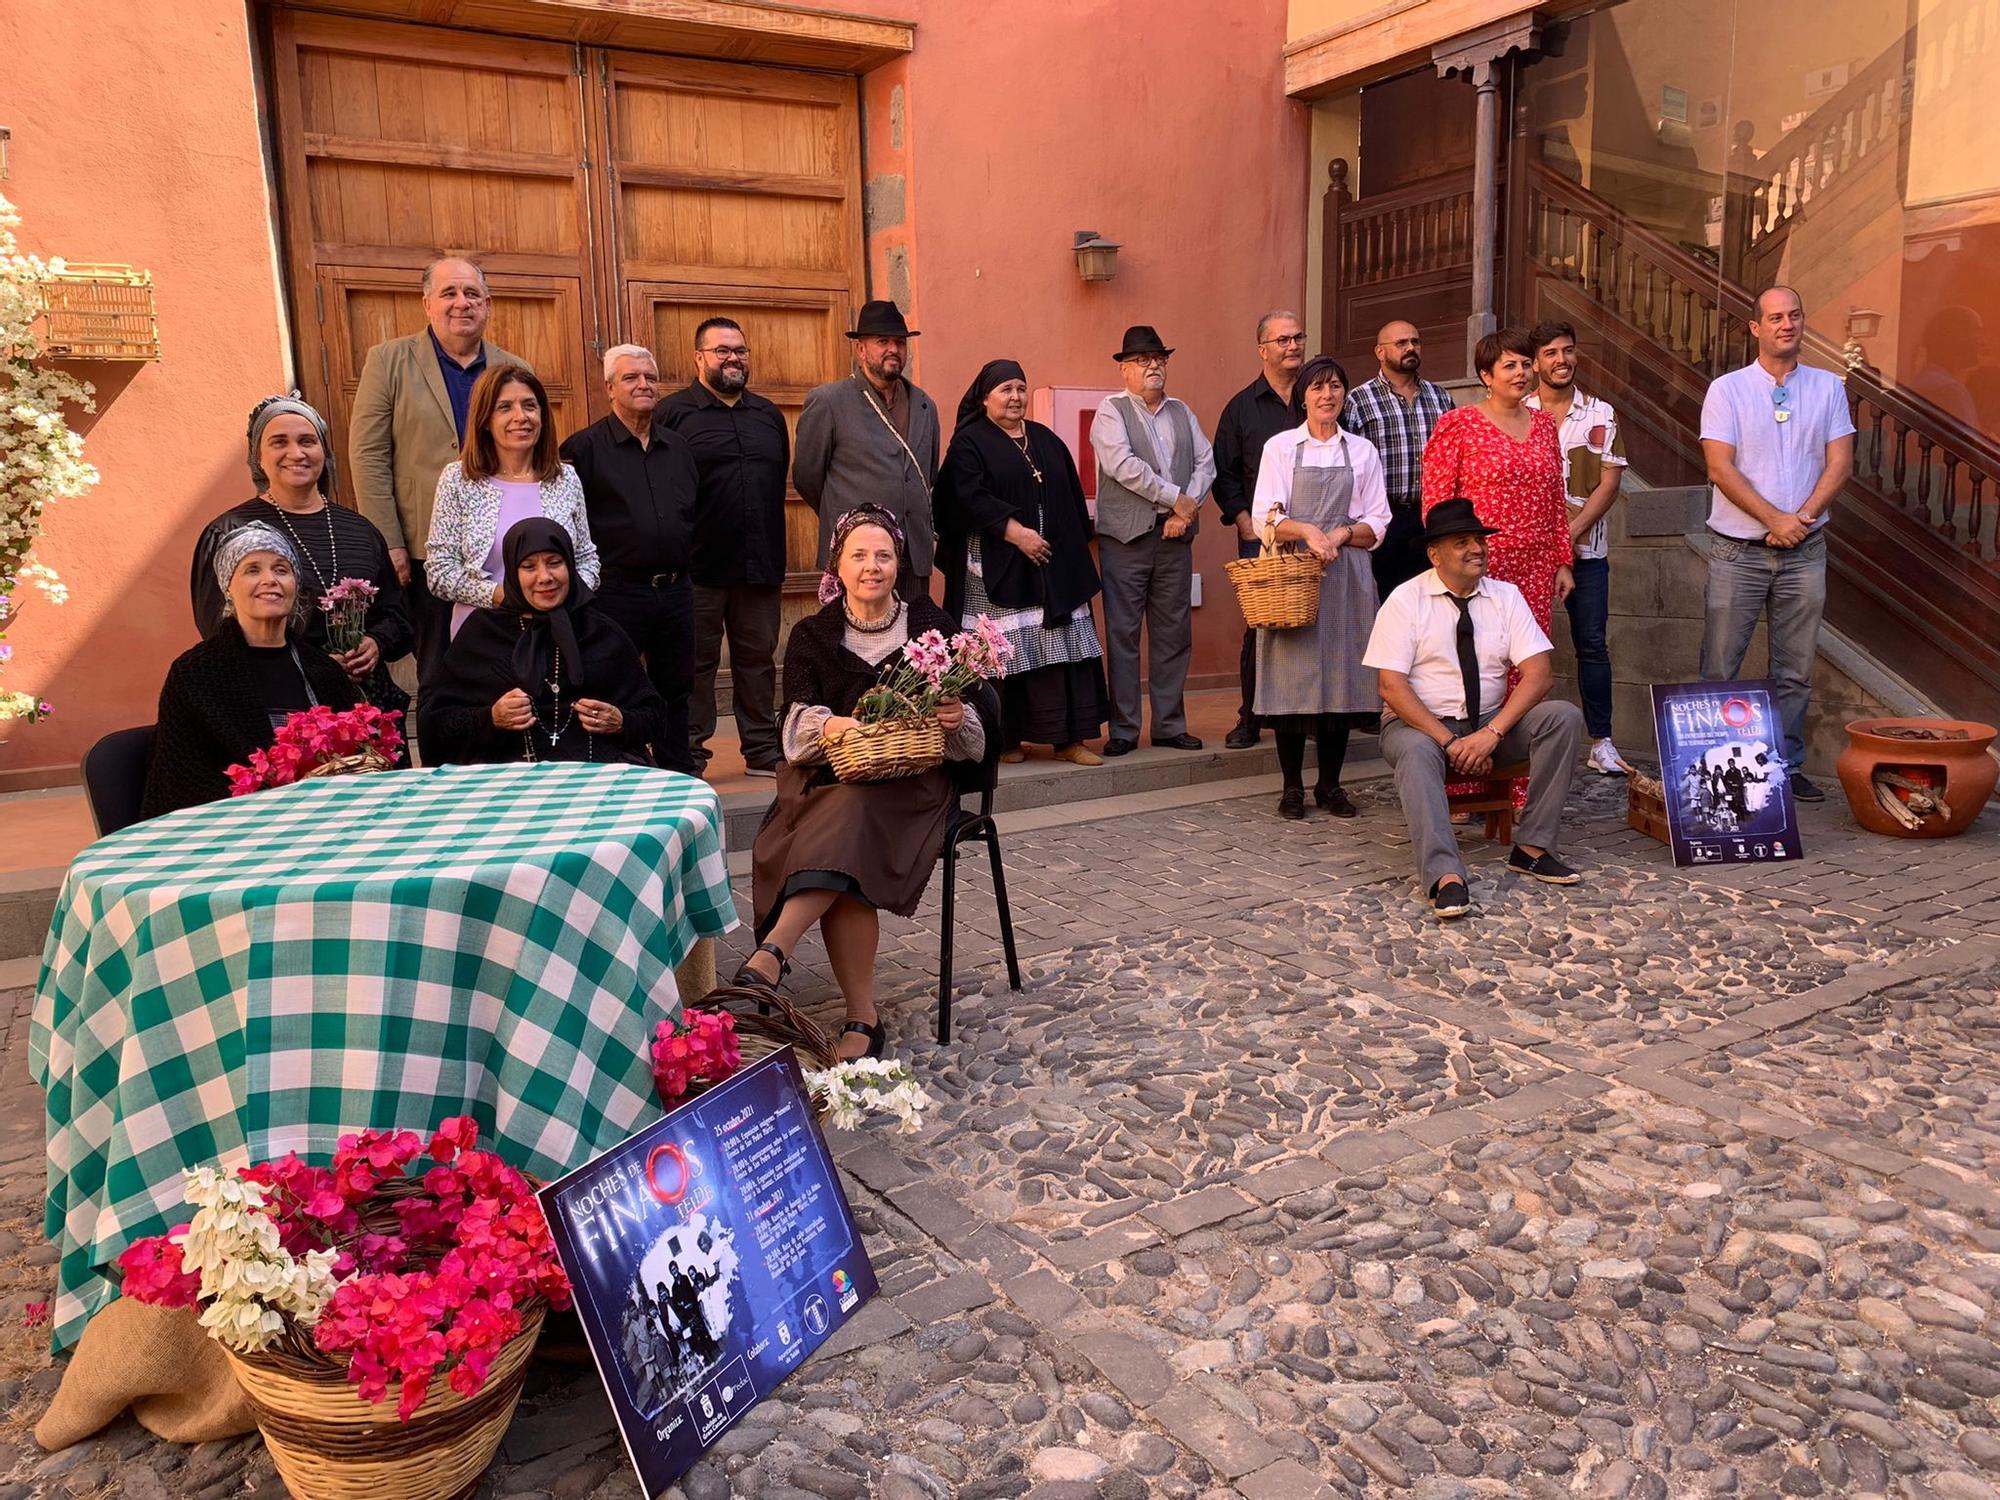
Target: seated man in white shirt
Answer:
[[1443, 643]]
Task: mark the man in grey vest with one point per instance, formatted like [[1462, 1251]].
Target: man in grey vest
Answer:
[[1154, 468]]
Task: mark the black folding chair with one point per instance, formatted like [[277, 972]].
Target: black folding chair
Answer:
[[962, 827], [114, 777]]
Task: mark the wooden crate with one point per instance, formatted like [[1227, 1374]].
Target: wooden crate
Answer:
[[1646, 807], [100, 312]]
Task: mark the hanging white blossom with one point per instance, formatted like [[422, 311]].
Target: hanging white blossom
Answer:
[[41, 460], [851, 1090]]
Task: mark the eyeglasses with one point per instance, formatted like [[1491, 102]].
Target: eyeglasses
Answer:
[[1149, 361], [1288, 340], [728, 351]]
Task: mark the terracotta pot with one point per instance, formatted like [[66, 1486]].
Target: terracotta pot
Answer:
[[1969, 772]]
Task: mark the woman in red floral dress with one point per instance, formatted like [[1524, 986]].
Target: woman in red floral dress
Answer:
[[1504, 457]]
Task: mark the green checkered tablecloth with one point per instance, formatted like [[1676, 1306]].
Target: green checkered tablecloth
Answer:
[[232, 982]]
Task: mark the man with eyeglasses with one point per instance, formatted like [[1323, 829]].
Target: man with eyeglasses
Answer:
[[1265, 407], [741, 452], [1780, 445], [1397, 411], [409, 419], [1154, 468]]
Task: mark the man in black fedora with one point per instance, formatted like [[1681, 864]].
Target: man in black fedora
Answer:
[[1443, 643], [1154, 468], [872, 438]]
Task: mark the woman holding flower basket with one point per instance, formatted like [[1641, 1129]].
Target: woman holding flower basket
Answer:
[[225, 699], [836, 851], [354, 605]]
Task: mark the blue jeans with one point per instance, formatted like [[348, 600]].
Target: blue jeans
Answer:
[[1589, 609], [1745, 581]]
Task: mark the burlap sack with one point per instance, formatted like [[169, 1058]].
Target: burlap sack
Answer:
[[160, 1362], [696, 975]]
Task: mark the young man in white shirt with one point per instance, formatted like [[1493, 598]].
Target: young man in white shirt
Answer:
[[1780, 444], [1593, 455], [1443, 644]]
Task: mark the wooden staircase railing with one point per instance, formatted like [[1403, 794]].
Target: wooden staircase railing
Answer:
[[1915, 531], [1862, 125]]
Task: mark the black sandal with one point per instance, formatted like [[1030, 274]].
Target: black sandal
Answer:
[[750, 978], [878, 1038]]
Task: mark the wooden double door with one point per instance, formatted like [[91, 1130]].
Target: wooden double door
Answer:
[[611, 197]]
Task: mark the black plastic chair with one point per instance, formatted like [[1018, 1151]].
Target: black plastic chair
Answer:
[[114, 777], [961, 827]]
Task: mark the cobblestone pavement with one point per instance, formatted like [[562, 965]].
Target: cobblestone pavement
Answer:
[[1268, 1186]]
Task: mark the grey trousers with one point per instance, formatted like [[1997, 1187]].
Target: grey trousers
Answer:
[[750, 616], [1548, 737], [1147, 581]]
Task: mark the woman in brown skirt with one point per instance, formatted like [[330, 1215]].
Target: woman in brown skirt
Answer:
[[834, 852]]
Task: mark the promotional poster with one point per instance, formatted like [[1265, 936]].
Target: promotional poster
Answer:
[[710, 1254], [1722, 764]]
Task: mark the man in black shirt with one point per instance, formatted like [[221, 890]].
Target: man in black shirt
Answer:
[[638, 489], [742, 452], [1265, 407]]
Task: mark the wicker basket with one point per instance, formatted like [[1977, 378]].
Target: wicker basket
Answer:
[[329, 1444], [363, 761], [887, 751], [764, 1023], [1279, 588]]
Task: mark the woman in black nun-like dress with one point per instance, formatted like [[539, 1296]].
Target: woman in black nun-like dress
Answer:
[[542, 676], [1014, 544]]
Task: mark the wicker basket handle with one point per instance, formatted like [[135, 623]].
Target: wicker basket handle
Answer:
[[730, 996], [1272, 546]]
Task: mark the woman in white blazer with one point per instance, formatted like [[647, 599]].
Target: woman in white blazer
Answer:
[[508, 470]]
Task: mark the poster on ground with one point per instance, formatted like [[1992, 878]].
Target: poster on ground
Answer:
[[1722, 767], [711, 1253]]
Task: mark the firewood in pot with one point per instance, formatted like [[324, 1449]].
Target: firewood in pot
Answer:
[[1893, 806], [1920, 793]]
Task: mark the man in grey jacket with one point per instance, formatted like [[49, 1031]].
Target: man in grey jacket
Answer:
[[872, 439], [1154, 468]]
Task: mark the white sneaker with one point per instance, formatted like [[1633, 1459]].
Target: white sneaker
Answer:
[[1605, 759]]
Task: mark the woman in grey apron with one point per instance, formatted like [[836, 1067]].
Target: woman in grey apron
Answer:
[[1326, 487]]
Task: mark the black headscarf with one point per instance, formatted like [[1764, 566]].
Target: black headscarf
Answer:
[[995, 372], [988, 479], [550, 634], [515, 645]]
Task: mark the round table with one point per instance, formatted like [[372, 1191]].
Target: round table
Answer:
[[232, 982]]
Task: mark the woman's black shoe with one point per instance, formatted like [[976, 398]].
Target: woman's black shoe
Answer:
[[878, 1038], [1334, 800], [745, 975], [1293, 803]]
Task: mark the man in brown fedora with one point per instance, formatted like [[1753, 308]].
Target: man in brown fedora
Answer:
[[1154, 468], [872, 438]]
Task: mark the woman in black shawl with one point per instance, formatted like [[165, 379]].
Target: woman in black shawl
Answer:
[[1014, 543], [543, 676]]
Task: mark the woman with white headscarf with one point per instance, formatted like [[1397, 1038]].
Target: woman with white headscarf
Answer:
[[291, 463], [227, 696]]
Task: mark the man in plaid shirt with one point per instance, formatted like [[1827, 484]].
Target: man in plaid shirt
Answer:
[[1396, 412]]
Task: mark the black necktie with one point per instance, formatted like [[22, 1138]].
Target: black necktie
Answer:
[[1468, 659]]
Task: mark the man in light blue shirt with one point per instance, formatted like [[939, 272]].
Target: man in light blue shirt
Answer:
[[1780, 444]]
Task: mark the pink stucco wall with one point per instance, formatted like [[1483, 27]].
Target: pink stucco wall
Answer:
[[1167, 130], [137, 142]]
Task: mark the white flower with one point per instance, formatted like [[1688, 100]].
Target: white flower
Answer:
[[850, 1090]]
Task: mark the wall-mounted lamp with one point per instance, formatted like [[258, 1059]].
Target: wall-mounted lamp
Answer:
[[1863, 323], [1096, 257]]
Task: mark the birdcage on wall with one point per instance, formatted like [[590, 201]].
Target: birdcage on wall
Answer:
[[99, 312]]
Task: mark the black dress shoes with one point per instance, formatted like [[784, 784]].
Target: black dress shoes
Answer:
[[1120, 747], [1242, 737], [1334, 800], [1292, 804], [1177, 742]]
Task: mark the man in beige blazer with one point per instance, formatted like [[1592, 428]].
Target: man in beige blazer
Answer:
[[409, 419]]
